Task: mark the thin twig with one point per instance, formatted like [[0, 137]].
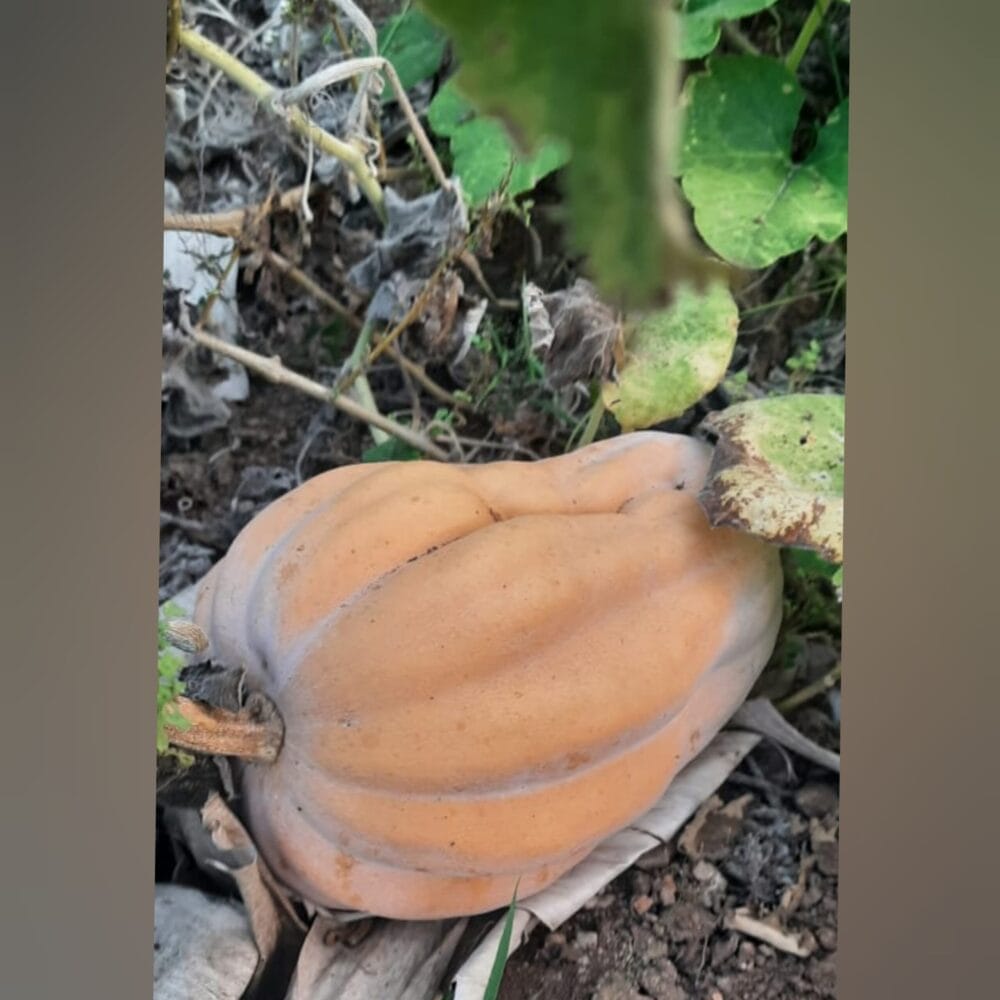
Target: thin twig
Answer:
[[419, 374], [319, 293], [419, 303], [234, 222], [323, 296], [274, 371], [298, 120], [810, 691]]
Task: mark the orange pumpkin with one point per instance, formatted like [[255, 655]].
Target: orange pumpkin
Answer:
[[483, 670]]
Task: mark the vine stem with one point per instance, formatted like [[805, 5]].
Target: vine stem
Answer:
[[805, 38], [298, 120]]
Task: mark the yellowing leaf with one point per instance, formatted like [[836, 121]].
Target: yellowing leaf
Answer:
[[673, 357], [778, 471]]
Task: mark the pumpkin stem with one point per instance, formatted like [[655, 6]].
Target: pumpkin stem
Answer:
[[254, 733]]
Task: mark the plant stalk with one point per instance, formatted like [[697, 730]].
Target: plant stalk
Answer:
[[810, 691], [258, 87], [809, 29]]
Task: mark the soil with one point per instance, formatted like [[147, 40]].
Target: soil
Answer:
[[660, 930]]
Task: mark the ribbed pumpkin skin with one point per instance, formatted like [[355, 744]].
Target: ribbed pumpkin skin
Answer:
[[483, 670]]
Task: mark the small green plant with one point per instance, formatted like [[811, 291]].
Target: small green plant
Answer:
[[514, 373], [503, 952], [170, 686], [804, 362]]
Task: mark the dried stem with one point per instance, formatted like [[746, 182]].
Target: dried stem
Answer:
[[274, 371], [235, 222], [810, 691], [258, 87], [253, 733], [316, 291], [347, 70], [173, 28]]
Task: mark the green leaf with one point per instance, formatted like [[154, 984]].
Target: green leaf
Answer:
[[392, 450], [601, 78], [482, 155], [701, 21], [414, 45], [170, 686], [503, 951], [778, 471], [752, 204], [673, 357]]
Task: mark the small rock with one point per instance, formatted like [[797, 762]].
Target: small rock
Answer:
[[724, 950], [745, 956], [555, 945], [648, 946], [811, 896], [616, 987], [817, 800], [704, 871], [668, 890], [642, 904], [688, 922], [601, 902], [642, 883], [827, 858], [827, 937], [586, 940], [713, 883], [822, 973], [661, 983], [658, 857]]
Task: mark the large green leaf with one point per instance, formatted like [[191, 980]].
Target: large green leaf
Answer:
[[482, 154], [414, 45], [778, 471], [602, 78], [701, 21], [673, 357], [752, 204]]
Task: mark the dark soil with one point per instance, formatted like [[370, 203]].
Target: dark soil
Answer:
[[660, 930]]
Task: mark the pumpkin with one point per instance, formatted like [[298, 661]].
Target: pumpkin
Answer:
[[483, 670]]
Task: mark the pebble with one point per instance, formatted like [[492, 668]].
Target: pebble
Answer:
[[668, 890], [817, 800], [662, 984]]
